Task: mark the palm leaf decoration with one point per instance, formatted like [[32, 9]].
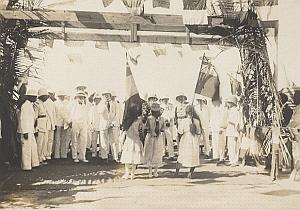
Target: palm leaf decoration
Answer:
[[14, 64]]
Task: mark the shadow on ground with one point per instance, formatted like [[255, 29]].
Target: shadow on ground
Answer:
[[55, 184]]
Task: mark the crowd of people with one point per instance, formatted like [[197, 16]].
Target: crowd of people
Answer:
[[53, 124]]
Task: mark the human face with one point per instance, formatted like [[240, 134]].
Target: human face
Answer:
[[97, 100], [44, 98], [181, 99], [107, 96], [32, 99], [80, 99], [152, 100], [165, 100]]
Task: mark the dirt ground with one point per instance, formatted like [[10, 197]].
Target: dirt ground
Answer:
[[67, 185]]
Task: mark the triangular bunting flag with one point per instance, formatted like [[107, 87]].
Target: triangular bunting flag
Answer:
[[199, 47], [106, 3], [129, 45], [161, 3], [74, 43], [74, 58], [158, 50], [101, 45]]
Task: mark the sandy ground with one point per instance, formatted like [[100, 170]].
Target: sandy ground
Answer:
[[64, 184]]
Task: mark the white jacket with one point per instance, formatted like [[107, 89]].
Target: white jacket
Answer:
[[51, 113], [41, 114], [95, 117], [79, 114], [61, 111], [108, 118], [26, 118]]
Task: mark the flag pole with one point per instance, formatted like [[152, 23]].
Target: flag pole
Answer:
[[198, 78]]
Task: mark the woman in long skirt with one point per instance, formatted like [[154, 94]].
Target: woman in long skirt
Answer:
[[132, 149], [189, 144], [154, 142]]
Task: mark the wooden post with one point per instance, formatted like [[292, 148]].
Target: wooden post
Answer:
[[188, 36], [133, 34], [63, 25]]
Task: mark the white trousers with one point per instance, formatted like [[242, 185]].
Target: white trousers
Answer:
[[79, 138], [109, 140], [170, 143], [29, 152], [50, 143], [215, 144], [95, 137], [233, 151], [61, 145], [89, 139], [206, 141], [42, 144]]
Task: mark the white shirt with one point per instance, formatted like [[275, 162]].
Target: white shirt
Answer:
[[61, 112], [41, 114], [51, 113], [233, 122], [204, 115], [95, 110], [107, 118], [79, 114], [168, 112], [216, 118], [26, 118]]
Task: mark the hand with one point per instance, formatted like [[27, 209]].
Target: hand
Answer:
[[25, 135]]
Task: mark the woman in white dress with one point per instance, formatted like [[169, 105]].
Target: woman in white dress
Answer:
[[189, 145], [154, 142], [132, 149]]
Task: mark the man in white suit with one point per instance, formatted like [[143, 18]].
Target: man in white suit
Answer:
[[108, 122], [51, 121], [95, 124], [26, 121], [79, 123], [118, 122], [41, 128]]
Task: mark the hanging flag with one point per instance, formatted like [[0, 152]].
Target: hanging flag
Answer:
[[207, 83], [101, 45], [133, 103], [74, 43], [194, 12], [74, 58], [236, 87], [161, 3], [106, 3], [194, 4], [267, 9], [159, 50], [135, 7]]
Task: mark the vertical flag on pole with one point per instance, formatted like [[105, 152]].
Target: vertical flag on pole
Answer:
[[207, 83], [133, 103]]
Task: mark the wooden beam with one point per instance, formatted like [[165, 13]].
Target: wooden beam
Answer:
[[97, 17], [124, 36]]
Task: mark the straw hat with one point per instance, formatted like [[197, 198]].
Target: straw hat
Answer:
[[97, 95], [61, 93], [80, 93], [155, 107], [106, 92], [43, 92], [81, 87], [31, 92], [181, 95], [152, 95], [231, 99]]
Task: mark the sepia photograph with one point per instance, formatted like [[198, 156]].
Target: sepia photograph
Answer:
[[150, 104]]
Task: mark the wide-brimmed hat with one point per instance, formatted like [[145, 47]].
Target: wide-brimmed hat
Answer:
[[31, 92], [80, 93], [164, 97], [155, 107], [152, 95], [43, 92], [231, 99], [61, 93], [97, 95], [106, 91], [113, 93], [81, 87], [181, 95]]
